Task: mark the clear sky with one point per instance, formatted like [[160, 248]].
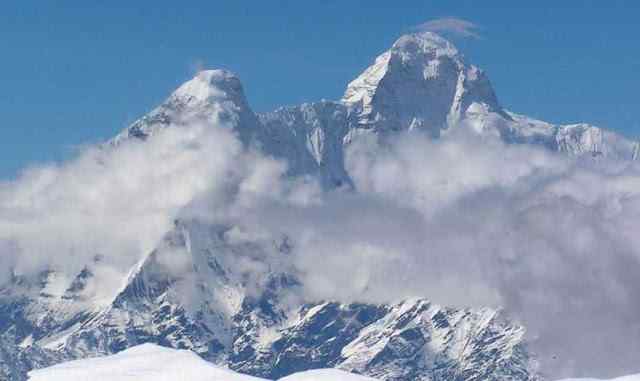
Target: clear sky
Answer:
[[75, 72]]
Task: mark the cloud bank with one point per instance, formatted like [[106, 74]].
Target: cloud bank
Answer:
[[462, 221]]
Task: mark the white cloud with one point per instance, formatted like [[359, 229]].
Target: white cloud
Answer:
[[115, 206], [451, 25], [549, 238]]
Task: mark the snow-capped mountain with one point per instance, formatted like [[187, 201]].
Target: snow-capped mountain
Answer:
[[257, 326], [422, 83]]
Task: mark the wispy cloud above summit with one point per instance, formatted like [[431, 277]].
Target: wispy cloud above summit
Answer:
[[451, 25]]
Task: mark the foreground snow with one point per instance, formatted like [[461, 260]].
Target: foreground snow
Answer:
[[150, 362], [141, 363]]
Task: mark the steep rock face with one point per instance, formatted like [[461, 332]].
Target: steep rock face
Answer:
[[421, 83], [442, 343], [311, 137], [41, 308], [411, 340], [16, 362]]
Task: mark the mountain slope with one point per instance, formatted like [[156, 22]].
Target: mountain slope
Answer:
[[213, 311], [263, 336]]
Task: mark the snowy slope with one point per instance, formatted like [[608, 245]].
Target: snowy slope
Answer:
[[142, 363], [150, 362]]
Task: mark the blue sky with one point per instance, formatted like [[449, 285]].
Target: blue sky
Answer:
[[77, 72]]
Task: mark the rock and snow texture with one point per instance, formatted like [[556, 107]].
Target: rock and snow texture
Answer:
[[212, 312], [422, 83]]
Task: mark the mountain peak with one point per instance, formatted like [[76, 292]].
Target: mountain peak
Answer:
[[211, 96], [210, 86], [425, 43], [421, 82]]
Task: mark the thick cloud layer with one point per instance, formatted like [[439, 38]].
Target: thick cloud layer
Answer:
[[463, 221], [552, 240], [109, 206]]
